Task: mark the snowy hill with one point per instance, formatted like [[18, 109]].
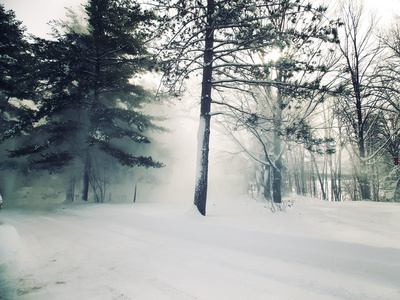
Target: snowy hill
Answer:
[[241, 250]]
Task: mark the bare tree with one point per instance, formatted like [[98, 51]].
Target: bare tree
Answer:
[[360, 52], [277, 114]]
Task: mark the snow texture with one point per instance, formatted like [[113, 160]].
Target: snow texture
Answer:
[[241, 250]]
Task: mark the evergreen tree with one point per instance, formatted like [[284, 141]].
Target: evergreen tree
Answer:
[[90, 107], [17, 81]]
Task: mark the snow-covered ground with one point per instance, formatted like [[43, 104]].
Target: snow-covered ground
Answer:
[[241, 250]]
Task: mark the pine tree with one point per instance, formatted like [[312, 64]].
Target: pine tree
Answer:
[[215, 38], [90, 106], [17, 81]]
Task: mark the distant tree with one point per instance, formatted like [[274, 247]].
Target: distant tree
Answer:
[[280, 93], [358, 101], [388, 120], [389, 89], [91, 108]]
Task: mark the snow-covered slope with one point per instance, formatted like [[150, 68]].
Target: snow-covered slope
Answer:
[[315, 250]]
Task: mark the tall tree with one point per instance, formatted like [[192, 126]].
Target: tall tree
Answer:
[[388, 87], [213, 37], [90, 106], [285, 88], [17, 81], [388, 134], [360, 54]]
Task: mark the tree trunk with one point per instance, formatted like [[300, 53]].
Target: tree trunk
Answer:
[[312, 179], [321, 182], [135, 194], [85, 183], [303, 173], [365, 188], [339, 177], [363, 176], [338, 163], [71, 189], [276, 185], [333, 177], [277, 169], [295, 172], [291, 180], [200, 195], [267, 182], [396, 194], [93, 108]]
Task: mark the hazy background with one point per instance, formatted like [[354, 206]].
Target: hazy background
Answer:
[[176, 148]]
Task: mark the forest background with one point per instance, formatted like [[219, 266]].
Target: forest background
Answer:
[[321, 115]]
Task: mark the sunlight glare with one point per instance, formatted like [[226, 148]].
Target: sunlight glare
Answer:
[[274, 55]]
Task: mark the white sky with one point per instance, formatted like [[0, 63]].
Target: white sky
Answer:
[[386, 8], [35, 14]]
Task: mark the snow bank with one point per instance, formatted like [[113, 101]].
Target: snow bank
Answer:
[[9, 243], [9, 249]]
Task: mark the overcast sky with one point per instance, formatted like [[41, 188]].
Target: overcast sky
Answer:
[[35, 14]]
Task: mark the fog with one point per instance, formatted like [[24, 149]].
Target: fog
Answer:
[[178, 151], [230, 170], [176, 148]]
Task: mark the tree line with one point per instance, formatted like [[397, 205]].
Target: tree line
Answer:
[[320, 117]]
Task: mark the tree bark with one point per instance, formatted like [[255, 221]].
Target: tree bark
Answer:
[[85, 183], [313, 186], [266, 170], [365, 188], [200, 195], [276, 185], [277, 170], [135, 194], [71, 189], [339, 176], [321, 182]]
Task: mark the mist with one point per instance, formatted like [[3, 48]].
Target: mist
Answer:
[[175, 148]]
